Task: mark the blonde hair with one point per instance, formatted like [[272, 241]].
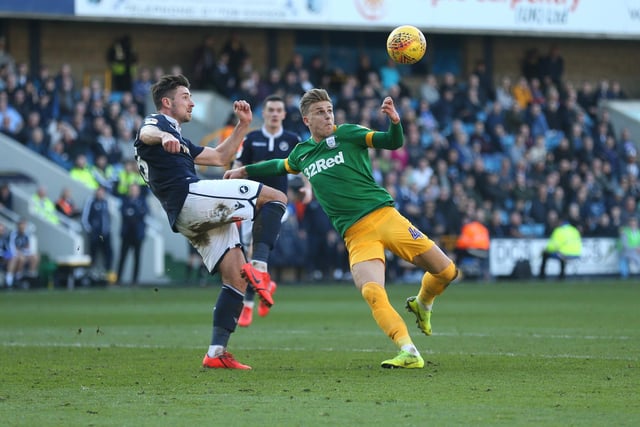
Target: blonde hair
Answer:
[[311, 97]]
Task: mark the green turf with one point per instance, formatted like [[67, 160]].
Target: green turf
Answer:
[[502, 354]]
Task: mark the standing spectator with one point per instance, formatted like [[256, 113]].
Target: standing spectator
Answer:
[[223, 79], [141, 88], [127, 177], [96, 221], [133, 211], [204, 63], [6, 59], [629, 246], [531, 64], [11, 122], [552, 68], [236, 53], [81, 171], [104, 173], [485, 83], [122, 60], [272, 141], [23, 254]]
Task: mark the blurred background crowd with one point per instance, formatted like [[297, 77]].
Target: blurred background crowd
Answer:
[[521, 155]]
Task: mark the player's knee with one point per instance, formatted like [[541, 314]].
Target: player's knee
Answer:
[[449, 274]]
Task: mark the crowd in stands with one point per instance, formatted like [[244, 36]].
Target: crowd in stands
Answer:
[[520, 157]]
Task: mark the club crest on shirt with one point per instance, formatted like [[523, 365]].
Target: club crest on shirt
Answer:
[[331, 142], [283, 146]]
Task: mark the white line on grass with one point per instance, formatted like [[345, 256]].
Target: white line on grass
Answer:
[[328, 349]]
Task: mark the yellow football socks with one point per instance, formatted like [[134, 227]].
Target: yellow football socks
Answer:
[[385, 315], [435, 284]]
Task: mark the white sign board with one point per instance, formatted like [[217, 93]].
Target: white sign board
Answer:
[[592, 18], [599, 256]]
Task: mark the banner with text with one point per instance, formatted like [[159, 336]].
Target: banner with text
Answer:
[[599, 256], [592, 18]]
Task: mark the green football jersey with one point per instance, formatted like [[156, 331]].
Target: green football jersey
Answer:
[[340, 173]]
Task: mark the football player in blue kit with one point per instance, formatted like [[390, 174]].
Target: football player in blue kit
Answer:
[[205, 211], [271, 141]]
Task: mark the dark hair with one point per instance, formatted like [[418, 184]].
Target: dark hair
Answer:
[[166, 86], [273, 98]]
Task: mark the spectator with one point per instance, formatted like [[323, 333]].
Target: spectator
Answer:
[[58, 156], [81, 171], [565, 243], [5, 253], [552, 68], [521, 93], [6, 59], [11, 122], [236, 53], [472, 246], [204, 64], [224, 81], [629, 246], [132, 232], [37, 142], [531, 64], [122, 60], [141, 88], [23, 256], [127, 177], [65, 204], [6, 197], [44, 206], [104, 173], [96, 221]]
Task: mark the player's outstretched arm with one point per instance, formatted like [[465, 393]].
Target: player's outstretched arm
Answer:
[[224, 153], [394, 137], [271, 167], [236, 173], [390, 110]]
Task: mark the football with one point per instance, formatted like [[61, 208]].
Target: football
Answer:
[[406, 44]]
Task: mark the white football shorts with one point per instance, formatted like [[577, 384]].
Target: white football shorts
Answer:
[[210, 212]]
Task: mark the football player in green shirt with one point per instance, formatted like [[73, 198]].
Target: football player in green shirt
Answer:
[[335, 159]]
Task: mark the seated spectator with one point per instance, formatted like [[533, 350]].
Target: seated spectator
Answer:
[[564, 244], [629, 246], [44, 206], [23, 257], [6, 197], [4, 248], [66, 206], [472, 246]]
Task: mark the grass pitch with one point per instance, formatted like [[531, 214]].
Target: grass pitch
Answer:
[[502, 354]]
